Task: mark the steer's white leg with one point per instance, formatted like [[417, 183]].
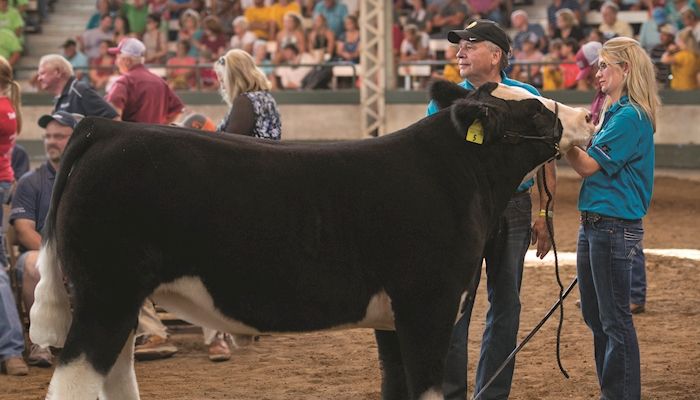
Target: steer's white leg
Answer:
[[432, 394], [121, 382], [76, 380], [50, 315]]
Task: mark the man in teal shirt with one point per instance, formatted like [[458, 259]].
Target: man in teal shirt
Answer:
[[482, 57]]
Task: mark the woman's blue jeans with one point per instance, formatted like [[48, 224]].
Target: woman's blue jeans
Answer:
[[607, 249]]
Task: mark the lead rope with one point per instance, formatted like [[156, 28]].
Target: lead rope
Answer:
[[550, 229], [559, 304]]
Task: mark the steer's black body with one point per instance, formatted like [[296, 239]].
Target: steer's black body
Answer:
[[287, 237]]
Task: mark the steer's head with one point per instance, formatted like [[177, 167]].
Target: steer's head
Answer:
[[523, 112]]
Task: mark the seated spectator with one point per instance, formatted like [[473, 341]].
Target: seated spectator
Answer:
[[649, 31], [529, 73], [667, 35], [242, 38], [10, 46], [252, 109], [182, 78], [520, 22], [451, 70], [335, 13], [190, 30], [291, 74], [684, 58], [415, 44], [689, 17], [207, 76], [594, 35], [552, 76], [121, 29], [674, 9], [572, 5], [226, 11], [291, 32], [568, 66], [321, 40], [213, 41], [90, 40], [486, 9], [159, 8], [259, 19], [136, 12], [567, 26], [349, 42], [103, 8], [177, 7], [450, 16], [102, 66], [278, 10], [419, 16], [611, 25], [155, 40], [11, 19], [77, 59]]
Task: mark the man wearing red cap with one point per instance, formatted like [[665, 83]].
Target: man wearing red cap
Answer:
[[139, 95]]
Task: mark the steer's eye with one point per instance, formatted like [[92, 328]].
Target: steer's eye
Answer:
[[589, 118]]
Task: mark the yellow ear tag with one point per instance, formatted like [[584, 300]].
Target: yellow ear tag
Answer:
[[475, 133]]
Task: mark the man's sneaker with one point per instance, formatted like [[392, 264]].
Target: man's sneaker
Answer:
[[636, 308], [39, 356], [219, 349], [152, 347], [15, 366]]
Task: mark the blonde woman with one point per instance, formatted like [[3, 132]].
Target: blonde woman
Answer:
[[567, 26], [684, 58], [12, 338], [618, 172], [244, 87]]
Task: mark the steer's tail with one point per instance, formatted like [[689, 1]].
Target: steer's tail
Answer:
[[50, 315]]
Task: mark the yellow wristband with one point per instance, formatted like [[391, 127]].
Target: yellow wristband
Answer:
[[546, 213]]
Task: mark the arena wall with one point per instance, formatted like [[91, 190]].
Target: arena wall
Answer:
[[326, 116]]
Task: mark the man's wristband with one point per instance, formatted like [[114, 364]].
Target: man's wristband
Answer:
[[545, 213]]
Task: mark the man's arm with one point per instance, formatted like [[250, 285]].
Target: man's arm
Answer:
[[540, 233], [27, 236]]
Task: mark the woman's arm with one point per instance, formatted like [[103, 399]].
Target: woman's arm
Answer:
[[581, 162]]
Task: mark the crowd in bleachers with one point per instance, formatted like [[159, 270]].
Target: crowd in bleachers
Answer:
[[184, 38], [16, 18]]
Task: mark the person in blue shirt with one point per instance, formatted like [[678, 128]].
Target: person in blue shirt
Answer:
[[482, 57], [335, 13], [618, 172]]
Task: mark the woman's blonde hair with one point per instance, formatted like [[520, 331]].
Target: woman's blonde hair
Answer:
[[686, 36], [238, 74], [7, 82], [640, 81]]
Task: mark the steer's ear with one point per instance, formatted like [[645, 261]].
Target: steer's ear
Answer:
[[476, 121], [444, 93]]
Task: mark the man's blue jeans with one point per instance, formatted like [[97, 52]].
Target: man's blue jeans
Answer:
[[606, 252], [638, 294], [505, 255], [11, 331]]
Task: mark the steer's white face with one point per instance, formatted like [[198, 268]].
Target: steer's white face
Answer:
[[576, 122]]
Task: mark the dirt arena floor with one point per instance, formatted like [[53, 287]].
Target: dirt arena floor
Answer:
[[343, 365]]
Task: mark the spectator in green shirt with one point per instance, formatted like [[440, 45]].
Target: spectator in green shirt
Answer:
[[10, 18], [136, 14], [10, 47]]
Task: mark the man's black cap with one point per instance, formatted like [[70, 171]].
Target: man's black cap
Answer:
[[69, 42], [482, 30], [62, 117]]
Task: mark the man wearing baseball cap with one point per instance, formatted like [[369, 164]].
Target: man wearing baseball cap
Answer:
[[139, 95], [30, 205], [483, 55]]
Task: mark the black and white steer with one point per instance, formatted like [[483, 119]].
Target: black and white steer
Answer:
[[250, 236]]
